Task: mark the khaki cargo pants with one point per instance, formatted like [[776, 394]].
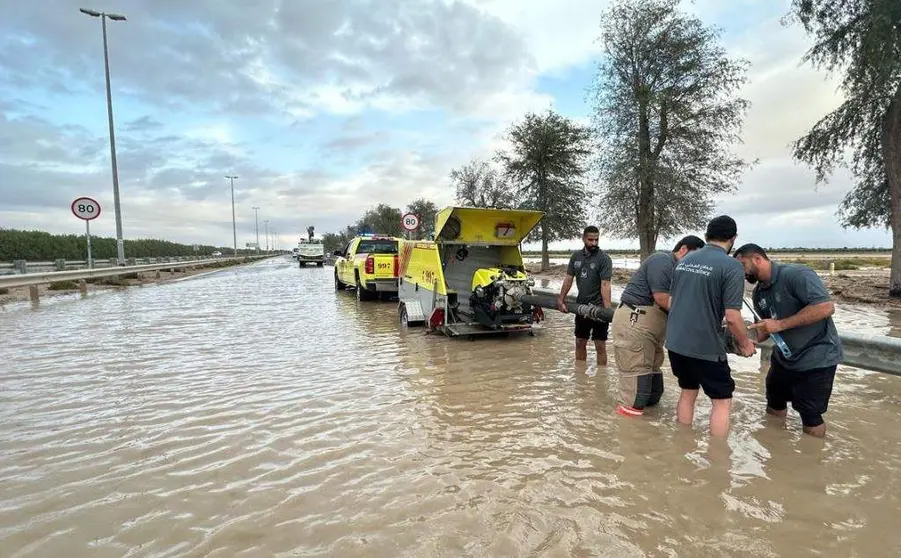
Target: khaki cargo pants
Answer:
[[638, 335]]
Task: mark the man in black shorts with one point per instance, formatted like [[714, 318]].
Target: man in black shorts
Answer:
[[592, 269], [793, 304], [707, 286]]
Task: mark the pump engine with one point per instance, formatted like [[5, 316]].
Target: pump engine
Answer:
[[496, 297]]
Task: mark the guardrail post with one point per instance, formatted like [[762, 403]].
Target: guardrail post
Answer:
[[131, 261], [113, 262], [33, 293], [60, 265], [20, 266], [83, 287]]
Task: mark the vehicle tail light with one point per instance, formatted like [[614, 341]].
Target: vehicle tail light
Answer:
[[395, 265], [437, 318], [370, 265]]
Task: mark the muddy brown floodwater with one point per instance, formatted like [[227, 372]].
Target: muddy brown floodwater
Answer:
[[256, 412]]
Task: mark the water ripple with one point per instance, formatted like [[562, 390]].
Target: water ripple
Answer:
[[256, 412]]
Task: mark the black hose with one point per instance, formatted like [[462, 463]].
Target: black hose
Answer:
[[590, 311]]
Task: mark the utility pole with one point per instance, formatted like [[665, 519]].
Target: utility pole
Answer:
[[266, 222], [120, 242], [256, 220], [234, 229]]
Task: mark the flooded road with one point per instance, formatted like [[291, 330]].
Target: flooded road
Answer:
[[255, 412]]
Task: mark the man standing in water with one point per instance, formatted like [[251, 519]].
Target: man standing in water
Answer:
[[592, 269], [707, 286], [639, 327], [793, 304]]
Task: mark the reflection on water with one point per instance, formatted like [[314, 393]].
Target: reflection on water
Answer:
[[255, 412]]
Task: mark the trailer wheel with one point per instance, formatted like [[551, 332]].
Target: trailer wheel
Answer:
[[404, 318], [318, 264]]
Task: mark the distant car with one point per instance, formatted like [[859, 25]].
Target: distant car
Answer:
[[217, 253]]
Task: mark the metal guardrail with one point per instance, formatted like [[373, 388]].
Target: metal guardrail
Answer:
[[32, 280], [879, 353], [34, 266]]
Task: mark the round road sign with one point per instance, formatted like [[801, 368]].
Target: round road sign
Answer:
[[86, 208], [410, 221]]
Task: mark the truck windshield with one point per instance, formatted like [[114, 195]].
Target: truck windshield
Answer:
[[377, 247]]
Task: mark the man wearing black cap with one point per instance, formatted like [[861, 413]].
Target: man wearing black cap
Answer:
[[707, 286], [639, 327], [796, 310]]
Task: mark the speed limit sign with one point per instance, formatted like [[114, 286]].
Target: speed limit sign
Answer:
[[86, 208], [410, 221]]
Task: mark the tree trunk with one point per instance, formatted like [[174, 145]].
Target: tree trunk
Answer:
[[645, 223], [891, 151], [545, 258]]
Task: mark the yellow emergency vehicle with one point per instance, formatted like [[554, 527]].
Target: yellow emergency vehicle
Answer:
[[470, 279]]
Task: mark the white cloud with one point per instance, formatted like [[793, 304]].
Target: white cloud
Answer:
[[477, 61]]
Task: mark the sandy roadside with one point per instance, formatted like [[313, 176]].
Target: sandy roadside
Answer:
[[20, 294], [864, 286]]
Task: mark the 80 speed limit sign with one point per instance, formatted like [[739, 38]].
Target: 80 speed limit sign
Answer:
[[86, 208], [410, 221]]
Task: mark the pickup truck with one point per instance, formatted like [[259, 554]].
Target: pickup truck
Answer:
[[311, 251], [368, 263]]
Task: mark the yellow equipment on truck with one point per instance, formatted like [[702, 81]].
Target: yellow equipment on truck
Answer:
[[471, 279]]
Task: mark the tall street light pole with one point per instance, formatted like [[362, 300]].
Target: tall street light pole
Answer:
[[266, 222], [234, 229], [120, 243], [256, 219]]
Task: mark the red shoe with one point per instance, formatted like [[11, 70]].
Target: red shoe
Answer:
[[628, 411]]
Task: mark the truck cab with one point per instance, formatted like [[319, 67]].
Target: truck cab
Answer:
[[368, 263]]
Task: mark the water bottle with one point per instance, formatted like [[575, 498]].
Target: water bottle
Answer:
[[780, 342]]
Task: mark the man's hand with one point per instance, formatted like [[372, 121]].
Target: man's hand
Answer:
[[561, 304], [768, 326], [747, 348]]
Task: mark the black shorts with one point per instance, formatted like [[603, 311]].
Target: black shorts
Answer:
[[808, 390], [695, 373], [586, 328]]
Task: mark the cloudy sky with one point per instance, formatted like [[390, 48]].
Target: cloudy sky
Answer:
[[325, 108]]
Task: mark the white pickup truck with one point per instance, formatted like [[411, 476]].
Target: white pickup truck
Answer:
[[310, 251]]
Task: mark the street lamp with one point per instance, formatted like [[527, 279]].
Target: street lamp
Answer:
[[234, 230], [266, 222], [120, 243], [256, 220]]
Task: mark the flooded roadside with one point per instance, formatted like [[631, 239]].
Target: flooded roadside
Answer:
[[256, 412]]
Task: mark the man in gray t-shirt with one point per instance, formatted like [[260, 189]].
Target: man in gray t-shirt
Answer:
[[707, 287], [639, 327], [795, 309], [591, 269]]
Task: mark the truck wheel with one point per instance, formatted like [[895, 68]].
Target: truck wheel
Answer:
[[362, 293], [404, 322], [318, 264]]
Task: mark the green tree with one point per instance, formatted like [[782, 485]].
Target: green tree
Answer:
[[426, 210], [547, 161], [862, 40], [478, 184], [382, 219], [665, 115]]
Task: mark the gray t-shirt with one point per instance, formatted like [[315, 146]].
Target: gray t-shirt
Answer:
[[589, 270], [654, 275], [706, 283], [792, 287]]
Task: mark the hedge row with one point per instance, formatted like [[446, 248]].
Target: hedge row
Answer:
[[42, 246]]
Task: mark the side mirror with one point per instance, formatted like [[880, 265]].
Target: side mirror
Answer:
[[338, 253]]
